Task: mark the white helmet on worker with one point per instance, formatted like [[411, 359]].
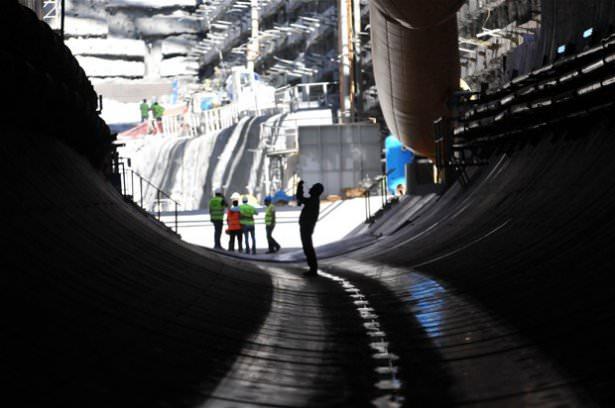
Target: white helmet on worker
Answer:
[[218, 190], [235, 196]]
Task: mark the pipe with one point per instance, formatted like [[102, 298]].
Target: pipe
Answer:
[[418, 14], [416, 66]]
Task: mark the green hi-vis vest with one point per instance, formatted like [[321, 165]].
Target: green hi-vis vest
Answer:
[[270, 215], [216, 209], [144, 110], [158, 111], [246, 214]]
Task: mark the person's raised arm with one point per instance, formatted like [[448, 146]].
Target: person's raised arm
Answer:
[[300, 196]]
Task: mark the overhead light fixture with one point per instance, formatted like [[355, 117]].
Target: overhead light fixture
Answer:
[[561, 49]]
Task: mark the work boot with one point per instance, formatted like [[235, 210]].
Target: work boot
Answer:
[[253, 251], [248, 251], [310, 273]]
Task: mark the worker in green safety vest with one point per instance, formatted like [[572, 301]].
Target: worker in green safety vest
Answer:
[[270, 225], [144, 108], [216, 215], [157, 111], [246, 219]]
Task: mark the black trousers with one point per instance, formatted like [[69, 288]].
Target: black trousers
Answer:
[[272, 243], [231, 243], [308, 247], [217, 233]]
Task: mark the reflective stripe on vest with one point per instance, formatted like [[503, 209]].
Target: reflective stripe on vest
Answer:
[[232, 217], [216, 209], [247, 214], [269, 214]]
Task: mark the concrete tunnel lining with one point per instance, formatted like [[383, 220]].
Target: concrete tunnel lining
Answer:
[[512, 304]]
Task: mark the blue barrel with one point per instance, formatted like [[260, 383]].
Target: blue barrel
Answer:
[[397, 156]]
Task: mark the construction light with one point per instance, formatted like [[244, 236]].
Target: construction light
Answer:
[[561, 49], [588, 33]]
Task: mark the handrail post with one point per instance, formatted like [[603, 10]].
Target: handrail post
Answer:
[[132, 183], [158, 202], [141, 189], [176, 226], [386, 188], [123, 180], [365, 204], [369, 206]]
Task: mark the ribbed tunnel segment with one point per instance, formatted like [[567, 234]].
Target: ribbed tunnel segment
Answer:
[[496, 293]]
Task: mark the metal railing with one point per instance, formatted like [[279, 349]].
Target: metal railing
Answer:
[[380, 183], [307, 96], [184, 123], [129, 190]]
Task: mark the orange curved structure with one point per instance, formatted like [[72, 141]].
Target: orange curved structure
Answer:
[[416, 65]]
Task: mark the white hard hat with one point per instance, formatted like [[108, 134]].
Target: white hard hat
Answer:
[[218, 190], [235, 196]]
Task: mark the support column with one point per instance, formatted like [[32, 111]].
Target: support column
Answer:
[[357, 83], [345, 54], [253, 47]]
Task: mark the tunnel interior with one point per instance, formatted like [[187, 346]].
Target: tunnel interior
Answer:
[[496, 292]]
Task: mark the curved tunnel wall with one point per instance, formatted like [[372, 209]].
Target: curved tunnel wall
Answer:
[[112, 310], [107, 305], [532, 240]]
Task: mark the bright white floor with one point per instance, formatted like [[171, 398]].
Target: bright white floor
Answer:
[[336, 221]]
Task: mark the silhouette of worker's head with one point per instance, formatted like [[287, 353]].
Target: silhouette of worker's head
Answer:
[[316, 190]]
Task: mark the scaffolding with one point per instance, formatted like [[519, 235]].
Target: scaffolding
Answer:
[[53, 14]]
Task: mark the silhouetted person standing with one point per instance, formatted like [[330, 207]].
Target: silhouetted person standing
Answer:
[[307, 222], [234, 224], [270, 225], [246, 219], [216, 214], [158, 111], [144, 108]]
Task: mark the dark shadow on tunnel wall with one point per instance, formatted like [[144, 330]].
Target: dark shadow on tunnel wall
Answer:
[[103, 308]]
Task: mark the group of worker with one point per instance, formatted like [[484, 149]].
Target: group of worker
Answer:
[[157, 112], [240, 222]]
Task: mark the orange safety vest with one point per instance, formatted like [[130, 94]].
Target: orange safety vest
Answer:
[[232, 217]]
